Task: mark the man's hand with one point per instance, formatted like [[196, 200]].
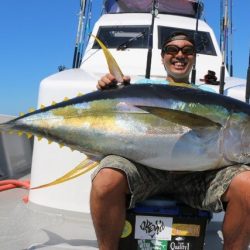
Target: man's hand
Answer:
[[109, 81]]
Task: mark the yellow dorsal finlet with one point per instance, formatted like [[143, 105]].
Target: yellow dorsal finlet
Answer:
[[39, 138], [31, 110], [80, 94]]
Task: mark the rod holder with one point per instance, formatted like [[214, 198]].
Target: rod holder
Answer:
[[248, 85], [222, 79], [193, 75]]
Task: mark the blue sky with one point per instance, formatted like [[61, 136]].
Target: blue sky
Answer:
[[36, 36]]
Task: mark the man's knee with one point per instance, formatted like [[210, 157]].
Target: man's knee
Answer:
[[239, 189], [109, 181]]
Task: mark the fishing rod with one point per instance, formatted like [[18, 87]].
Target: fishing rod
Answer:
[[150, 40], [193, 74], [86, 30], [224, 46], [76, 58], [248, 81], [226, 33], [221, 23], [231, 37]]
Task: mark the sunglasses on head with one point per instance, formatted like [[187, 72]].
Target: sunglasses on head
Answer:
[[174, 50]]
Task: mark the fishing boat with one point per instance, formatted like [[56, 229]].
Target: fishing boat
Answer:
[[58, 217]]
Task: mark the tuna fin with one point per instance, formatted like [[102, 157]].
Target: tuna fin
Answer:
[[50, 141], [182, 84], [180, 117], [28, 135], [80, 169], [20, 133], [80, 94], [31, 110], [113, 66]]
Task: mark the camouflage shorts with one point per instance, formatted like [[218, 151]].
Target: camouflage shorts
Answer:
[[201, 190]]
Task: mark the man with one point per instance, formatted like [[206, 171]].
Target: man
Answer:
[[118, 183]]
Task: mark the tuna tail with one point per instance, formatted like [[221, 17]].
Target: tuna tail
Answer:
[[6, 127], [11, 127]]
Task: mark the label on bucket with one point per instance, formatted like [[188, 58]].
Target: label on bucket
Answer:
[[186, 230], [152, 244], [153, 227]]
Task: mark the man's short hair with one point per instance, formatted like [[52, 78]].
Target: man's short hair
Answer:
[[177, 35]]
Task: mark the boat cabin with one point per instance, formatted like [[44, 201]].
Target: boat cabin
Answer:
[[127, 35]]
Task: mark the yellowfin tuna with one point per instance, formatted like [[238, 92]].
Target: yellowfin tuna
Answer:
[[166, 127]]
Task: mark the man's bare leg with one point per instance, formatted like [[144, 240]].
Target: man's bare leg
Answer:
[[108, 207], [236, 226]]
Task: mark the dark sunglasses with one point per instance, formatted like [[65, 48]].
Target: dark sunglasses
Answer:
[[174, 50]]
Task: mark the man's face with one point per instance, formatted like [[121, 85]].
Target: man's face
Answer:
[[178, 64]]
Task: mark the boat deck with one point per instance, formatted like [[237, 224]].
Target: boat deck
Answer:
[[29, 226]]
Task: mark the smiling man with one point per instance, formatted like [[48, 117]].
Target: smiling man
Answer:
[[119, 183], [178, 56]]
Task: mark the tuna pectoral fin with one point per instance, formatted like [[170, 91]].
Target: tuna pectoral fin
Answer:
[[180, 117], [80, 169]]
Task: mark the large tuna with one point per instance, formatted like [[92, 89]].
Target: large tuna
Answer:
[[167, 127]]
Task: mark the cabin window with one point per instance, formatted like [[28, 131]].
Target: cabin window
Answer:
[[204, 44], [123, 37]]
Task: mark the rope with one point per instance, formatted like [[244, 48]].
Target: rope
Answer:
[[10, 184]]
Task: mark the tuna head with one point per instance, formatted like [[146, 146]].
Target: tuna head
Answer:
[[236, 142]]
